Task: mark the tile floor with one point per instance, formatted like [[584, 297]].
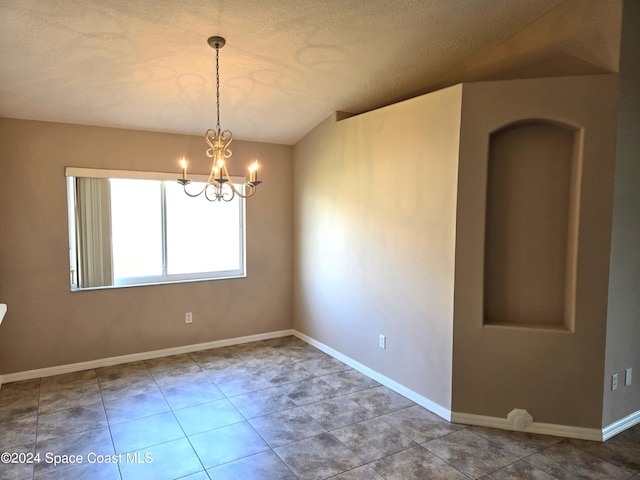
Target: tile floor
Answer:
[[276, 409]]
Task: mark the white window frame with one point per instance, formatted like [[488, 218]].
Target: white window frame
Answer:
[[74, 172]]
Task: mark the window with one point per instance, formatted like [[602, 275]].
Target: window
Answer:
[[139, 228]]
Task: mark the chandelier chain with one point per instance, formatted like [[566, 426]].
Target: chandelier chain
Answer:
[[217, 89]]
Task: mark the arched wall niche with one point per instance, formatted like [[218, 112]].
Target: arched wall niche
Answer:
[[533, 184]]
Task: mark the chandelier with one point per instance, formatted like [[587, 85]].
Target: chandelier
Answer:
[[219, 185]]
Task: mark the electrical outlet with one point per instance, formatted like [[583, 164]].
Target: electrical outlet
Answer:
[[382, 341], [614, 381], [627, 377], [188, 317]]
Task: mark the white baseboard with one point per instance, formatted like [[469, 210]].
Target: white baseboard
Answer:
[[387, 382], [134, 357], [535, 427], [621, 425], [594, 434]]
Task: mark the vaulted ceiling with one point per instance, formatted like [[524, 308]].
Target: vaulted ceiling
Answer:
[[287, 64]]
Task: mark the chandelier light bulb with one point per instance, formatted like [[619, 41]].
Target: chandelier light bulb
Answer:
[[183, 164]]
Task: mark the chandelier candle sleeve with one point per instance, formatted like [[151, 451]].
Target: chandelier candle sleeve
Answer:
[[253, 172], [183, 164]]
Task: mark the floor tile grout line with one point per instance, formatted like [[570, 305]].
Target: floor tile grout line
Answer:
[[35, 436], [536, 466], [589, 454], [113, 443], [186, 437], [182, 428], [593, 454], [248, 420], [476, 435]]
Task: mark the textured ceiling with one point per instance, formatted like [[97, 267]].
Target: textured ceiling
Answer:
[[287, 65]]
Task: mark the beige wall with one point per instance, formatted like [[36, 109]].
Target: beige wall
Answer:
[[374, 216], [554, 374], [48, 325], [369, 261], [623, 326]]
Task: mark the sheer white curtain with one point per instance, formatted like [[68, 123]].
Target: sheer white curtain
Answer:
[[93, 230]]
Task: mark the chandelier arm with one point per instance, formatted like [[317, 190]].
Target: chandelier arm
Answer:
[[249, 185], [232, 185], [251, 189], [193, 195]]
